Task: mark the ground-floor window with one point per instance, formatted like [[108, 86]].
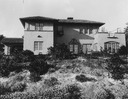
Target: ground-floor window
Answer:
[[74, 46], [86, 48], [38, 45], [111, 47]]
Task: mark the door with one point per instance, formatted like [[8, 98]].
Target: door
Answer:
[[86, 48]]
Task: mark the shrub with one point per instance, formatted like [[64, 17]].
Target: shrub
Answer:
[[9, 87], [123, 50], [35, 77], [39, 66], [115, 67], [57, 92], [18, 87], [51, 82], [5, 63], [104, 94], [59, 52], [28, 56], [74, 91], [4, 89], [83, 78]]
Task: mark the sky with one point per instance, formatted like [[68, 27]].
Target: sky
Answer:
[[114, 13]]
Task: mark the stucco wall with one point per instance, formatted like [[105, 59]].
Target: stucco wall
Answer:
[[5, 49], [45, 36], [31, 36], [101, 38]]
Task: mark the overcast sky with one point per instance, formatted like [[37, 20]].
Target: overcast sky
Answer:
[[113, 12]]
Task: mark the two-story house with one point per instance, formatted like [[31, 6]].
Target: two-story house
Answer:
[[40, 33]]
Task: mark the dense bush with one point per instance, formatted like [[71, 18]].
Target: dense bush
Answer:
[[24, 56], [5, 64], [8, 65], [9, 87], [96, 54], [39, 66], [123, 50], [115, 67], [83, 78], [59, 52], [34, 77], [58, 92], [4, 89], [51, 82]]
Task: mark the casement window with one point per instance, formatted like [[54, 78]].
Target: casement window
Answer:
[[34, 26], [86, 31], [60, 30], [111, 47], [90, 30], [41, 26], [37, 26], [81, 31], [87, 48], [38, 45], [74, 46]]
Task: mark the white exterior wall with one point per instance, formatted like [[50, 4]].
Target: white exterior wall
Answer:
[[6, 50], [46, 36], [101, 38]]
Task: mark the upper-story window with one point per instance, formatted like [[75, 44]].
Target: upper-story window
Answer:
[[34, 26], [60, 30], [90, 30], [83, 30]]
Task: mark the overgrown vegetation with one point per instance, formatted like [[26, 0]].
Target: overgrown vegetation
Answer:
[[123, 50], [56, 76], [60, 52], [116, 68], [83, 78]]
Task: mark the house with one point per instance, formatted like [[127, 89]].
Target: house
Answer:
[[110, 42], [40, 33], [12, 44]]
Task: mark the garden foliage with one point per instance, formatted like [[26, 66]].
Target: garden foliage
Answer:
[[59, 52], [116, 67]]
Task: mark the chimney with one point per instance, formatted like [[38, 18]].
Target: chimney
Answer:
[[70, 18]]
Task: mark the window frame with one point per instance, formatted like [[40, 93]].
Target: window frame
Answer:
[[87, 51], [74, 43], [38, 47], [111, 46]]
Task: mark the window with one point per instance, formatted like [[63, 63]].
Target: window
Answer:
[[87, 48], [34, 26], [90, 30], [111, 47], [81, 31], [37, 27], [74, 46], [38, 45], [41, 26], [86, 31]]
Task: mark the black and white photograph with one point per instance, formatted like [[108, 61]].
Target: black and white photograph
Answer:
[[63, 49]]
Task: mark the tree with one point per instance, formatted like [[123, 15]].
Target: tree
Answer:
[[123, 50], [1, 45], [126, 35]]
